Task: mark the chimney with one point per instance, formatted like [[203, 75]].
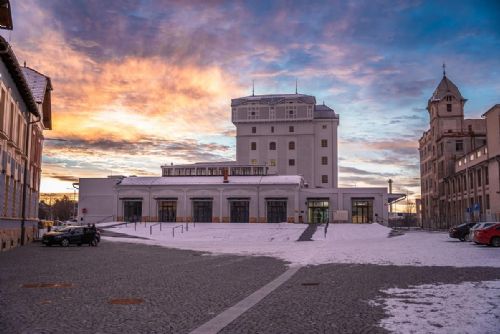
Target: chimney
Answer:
[[226, 175]]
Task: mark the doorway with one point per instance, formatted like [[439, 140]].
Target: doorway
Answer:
[[240, 211], [362, 210], [132, 210], [202, 211], [167, 211], [317, 211], [276, 211]]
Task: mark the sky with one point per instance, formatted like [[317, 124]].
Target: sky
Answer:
[[142, 83]]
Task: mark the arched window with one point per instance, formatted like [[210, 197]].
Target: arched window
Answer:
[[272, 146], [291, 145]]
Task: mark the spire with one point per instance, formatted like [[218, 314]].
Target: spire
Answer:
[[253, 87], [444, 69], [296, 84]]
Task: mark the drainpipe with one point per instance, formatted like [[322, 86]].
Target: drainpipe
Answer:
[[25, 175]]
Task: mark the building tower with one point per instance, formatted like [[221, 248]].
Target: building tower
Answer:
[[450, 136]]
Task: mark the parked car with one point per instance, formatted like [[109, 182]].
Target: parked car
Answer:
[[477, 227], [489, 235], [461, 232], [72, 235]]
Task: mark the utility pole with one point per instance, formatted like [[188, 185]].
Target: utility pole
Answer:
[[390, 192]]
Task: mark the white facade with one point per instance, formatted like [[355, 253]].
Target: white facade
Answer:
[[286, 171]]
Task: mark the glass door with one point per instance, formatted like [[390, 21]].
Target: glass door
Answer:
[[276, 211], [317, 211], [167, 211], [362, 211], [132, 210], [202, 211], [240, 212]]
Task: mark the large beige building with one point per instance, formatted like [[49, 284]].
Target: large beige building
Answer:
[[456, 186], [286, 171]]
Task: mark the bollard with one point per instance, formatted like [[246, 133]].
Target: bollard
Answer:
[[151, 230], [160, 226], [135, 226], [187, 227], [182, 228], [173, 232]]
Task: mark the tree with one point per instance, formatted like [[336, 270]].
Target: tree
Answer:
[[63, 209]]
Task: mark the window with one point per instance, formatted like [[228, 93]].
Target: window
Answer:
[[479, 178], [324, 178], [324, 126], [291, 145], [272, 162], [253, 161], [291, 129], [253, 146], [272, 129], [448, 107], [324, 160], [459, 145], [272, 146], [487, 202], [254, 129], [486, 176], [324, 143], [253, 113], [291, 162]]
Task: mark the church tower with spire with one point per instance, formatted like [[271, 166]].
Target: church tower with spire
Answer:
[[450, 136]]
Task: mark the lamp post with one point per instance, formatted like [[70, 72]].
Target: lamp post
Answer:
[[76, 186]]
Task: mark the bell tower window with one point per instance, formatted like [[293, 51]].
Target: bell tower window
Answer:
[[448, 107]]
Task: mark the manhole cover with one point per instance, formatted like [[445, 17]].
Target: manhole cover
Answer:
[[310, 283], [47, 285], [126, 301]]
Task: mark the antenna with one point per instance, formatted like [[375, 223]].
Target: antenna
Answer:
[[253, 87], [444, 69]]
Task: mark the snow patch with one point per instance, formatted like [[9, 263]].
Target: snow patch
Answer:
[[344, 243], [469, 307]]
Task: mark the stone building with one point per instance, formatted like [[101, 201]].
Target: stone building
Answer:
[[25, 112], [452, 137], [286, 171]]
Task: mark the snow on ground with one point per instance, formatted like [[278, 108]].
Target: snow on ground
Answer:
[[469, 307], [344, 243]]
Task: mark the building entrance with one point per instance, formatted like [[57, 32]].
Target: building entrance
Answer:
[[202, 210], [276, 211], [317, 211], [240, 211], [132, 210], [362, 210], [167, 211]]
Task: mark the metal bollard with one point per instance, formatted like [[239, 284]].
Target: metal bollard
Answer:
[[151, 230], [173, 232], [160, 226], [182, 228], [135, 226], [187, 227]]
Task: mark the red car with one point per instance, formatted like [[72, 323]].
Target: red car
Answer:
[[488, 236]]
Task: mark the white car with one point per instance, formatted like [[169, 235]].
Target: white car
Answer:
[[478, 226]]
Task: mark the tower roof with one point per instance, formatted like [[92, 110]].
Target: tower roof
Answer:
[[446, 87]]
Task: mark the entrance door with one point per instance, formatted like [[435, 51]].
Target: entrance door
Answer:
[[317, 211], [276, 211], [240, 212], [132, 210], [202, 211], [167, 211], [362, 211]]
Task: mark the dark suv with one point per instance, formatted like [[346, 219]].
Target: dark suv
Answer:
[[461, 231], [72, 235]]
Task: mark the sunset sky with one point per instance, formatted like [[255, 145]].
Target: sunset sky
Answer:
[[138, 84]]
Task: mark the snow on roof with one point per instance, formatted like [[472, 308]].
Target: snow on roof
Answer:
[[37, 82], [446, 87], [210, 180]]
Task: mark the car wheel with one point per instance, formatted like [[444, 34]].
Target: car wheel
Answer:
[[461, 238], [48, 245], [495, 242], [65, 243], [79, 244], [93, 243]]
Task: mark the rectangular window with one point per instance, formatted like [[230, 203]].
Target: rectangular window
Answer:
[[459, 145], [324, 160], [486, 176], [254, 129], [272, 162], [291, 145], [479, 184], [448, 107], [253, 146], [324, 126], [291, 129], [272, 129], [487, 202], [324, 143], [324, 178], [291, 162], [253, 161]]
